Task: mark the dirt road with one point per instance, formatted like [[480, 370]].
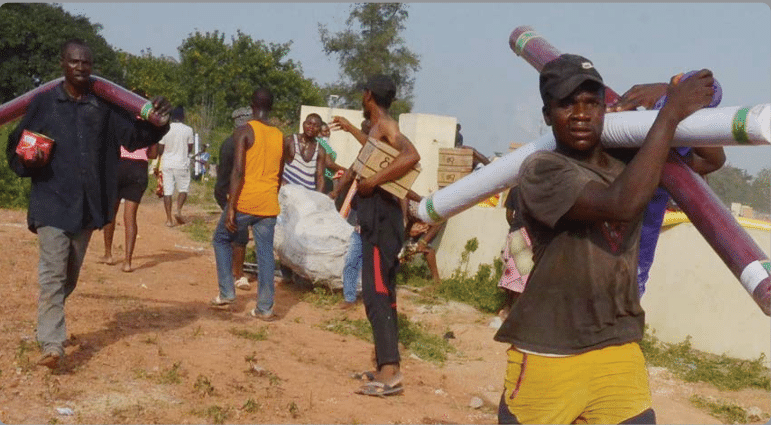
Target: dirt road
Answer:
[[145, 347]]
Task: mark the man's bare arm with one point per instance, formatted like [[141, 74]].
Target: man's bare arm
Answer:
[[241, 138], [288, 149], [321, 162], [705, 160], [340, 123]]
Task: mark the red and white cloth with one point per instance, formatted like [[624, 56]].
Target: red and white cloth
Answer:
[[512, 279]]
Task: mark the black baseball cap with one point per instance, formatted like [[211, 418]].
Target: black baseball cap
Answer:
[[381, 85], [561, 76]]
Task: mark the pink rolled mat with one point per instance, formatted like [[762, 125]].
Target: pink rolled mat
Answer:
[[107, 90]]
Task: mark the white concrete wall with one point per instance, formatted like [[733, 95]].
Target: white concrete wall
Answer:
[[490, 228], [428, 133], [692, 292]]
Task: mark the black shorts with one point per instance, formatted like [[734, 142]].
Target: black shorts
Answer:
[[132, 179]]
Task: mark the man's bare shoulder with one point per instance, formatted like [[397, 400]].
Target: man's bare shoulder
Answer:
[[242, 129], [389, 132]]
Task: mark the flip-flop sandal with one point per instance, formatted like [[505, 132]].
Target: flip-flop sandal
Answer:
[[379, 389], [367, 375]]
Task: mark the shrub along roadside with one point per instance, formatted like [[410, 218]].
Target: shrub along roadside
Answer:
[[691, 365], [479, 290], [14, 190]]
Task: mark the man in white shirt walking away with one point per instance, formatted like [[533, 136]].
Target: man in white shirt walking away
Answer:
[[174, 162]]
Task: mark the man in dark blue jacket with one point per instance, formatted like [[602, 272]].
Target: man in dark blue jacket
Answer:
[[75, 188]]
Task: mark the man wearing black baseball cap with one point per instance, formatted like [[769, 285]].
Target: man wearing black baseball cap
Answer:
[[576, 326], [382, 235]]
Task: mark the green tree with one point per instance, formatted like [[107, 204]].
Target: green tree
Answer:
[[761, 191], [14, 190], [731, 184], [371, 44], [32, 37], [221, 77], [152, 76]]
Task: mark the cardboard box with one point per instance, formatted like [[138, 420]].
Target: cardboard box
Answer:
[[454, 164], [460, 157], [376, 155], [449, 175]]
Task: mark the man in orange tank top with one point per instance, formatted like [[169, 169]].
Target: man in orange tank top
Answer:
[[252, 201]]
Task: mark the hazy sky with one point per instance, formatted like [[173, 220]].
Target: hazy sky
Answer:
[[467, 68]]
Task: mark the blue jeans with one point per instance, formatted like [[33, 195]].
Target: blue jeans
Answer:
[[262, 229], [352, 268]]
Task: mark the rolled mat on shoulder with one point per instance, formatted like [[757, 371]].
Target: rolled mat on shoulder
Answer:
[[710, 217], [107, 90], [713, 220], [706, 127]]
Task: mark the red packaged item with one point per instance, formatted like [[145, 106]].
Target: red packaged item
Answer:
[[30, 142]]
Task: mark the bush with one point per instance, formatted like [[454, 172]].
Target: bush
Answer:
[[692, 365], [480, 290], [14, 190], [414, 271]]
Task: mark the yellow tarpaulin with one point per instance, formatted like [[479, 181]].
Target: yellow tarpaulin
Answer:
[[676, 217]]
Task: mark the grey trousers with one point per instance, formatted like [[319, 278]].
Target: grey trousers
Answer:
[[61, 256]]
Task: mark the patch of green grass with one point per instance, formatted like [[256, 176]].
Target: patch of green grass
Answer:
[[251, 406], [140, 373], [201, 193], [203, 386], [294, 410], [171, 376], [728, 413], [358, 328], [691, 365], [480, 290], [414, 272], [414, 336], [197, 331], [260, 335], [216, 414], [152, 183], [322, 296], [199, 229], [420, 341], [22, 355], [251, 254]]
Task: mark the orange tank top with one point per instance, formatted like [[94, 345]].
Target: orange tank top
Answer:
[[259, 195]]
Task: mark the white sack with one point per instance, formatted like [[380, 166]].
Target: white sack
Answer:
[[311, 237]]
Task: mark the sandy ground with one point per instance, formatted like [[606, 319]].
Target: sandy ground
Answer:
[[145, 347]]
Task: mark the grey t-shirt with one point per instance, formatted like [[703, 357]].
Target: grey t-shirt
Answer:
[[582, 292]]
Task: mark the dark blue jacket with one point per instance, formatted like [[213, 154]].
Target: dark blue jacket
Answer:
[[77, 189]]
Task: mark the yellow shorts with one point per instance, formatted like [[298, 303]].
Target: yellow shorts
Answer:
[[606, 386]]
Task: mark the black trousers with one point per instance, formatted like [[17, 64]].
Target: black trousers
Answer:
[[379, 295]]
